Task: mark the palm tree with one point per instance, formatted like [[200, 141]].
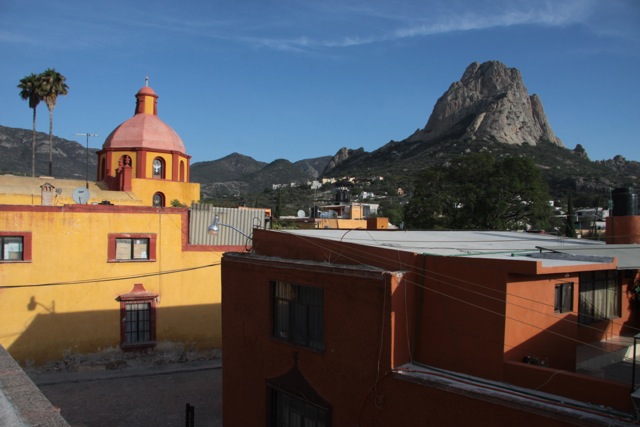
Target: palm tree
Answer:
[[30, 91], [53, 84]]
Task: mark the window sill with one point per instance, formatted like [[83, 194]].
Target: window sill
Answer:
[[299, 346], [137, 346], [131, 260]]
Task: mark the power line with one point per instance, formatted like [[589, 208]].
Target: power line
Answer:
[[109, 279], [368, 255]]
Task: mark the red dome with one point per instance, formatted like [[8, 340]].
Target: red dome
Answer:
[[146, 90], [145, 131]]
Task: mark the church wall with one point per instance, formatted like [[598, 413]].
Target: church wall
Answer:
[[186, 193]]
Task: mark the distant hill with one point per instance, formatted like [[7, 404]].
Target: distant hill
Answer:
[[487, 110], [69, 158], [237, 174]]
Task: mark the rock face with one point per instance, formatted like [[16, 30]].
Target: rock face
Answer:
[[490, 102], [341, 156]]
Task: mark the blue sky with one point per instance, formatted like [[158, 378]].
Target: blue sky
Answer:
[[297, 79]]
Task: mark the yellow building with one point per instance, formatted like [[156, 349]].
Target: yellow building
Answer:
[[86, 267]]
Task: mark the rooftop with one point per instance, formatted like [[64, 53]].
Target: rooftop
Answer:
[[550, 250]]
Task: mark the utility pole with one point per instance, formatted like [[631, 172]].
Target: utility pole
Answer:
[[87, 135]]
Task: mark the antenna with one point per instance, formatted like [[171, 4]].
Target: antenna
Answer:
[[87, 135]]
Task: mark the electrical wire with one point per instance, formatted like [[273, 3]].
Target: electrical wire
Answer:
[[368, 256], [109, 279], [373, 258]]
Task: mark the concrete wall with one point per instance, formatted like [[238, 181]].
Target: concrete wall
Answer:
[[21, 402]]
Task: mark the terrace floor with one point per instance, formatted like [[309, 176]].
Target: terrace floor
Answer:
[[611, 359]]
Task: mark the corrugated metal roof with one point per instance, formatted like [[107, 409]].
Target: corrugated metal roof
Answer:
[[235, 225], [628, 255]]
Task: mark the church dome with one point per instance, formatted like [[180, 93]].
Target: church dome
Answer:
[[145, 129]]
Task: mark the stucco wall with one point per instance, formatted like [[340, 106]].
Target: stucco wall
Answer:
[[357, 334], [64, 298]]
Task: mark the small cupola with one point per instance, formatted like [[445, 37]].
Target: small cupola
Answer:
[[146, 100]]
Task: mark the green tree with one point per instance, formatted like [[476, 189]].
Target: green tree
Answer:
[[392, 210], [52, 85], [278, 209], [30, 90], [478, 191]]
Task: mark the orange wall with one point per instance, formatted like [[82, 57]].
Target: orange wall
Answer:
[[344, 371], [462, 323], [402, 403], [533, 328], [575, 386], [354, 372]]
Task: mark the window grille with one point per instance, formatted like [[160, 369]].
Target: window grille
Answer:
[[137, 323], [288, 410], [564, 298], [298, 314]]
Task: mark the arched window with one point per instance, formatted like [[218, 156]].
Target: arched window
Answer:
[[158, 168], [182, 179], [158, 200]]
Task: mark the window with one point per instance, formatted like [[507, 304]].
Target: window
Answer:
[[137, 322], [564, 298], [132, 247], [158, 200], [12, 248], [138, 318], [297, 314], [599, 296], [15, 247], [288, 410], [158, 167]]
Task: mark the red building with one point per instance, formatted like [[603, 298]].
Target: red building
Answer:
[[394, 328]]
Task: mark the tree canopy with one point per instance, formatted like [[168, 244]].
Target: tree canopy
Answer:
[[31, 90], [52, 85], [46, 86], [478, 191]]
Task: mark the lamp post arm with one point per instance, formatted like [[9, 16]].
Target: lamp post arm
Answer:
[[236, 230]]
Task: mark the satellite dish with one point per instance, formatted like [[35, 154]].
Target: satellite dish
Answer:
[[81, 195], [301, 213]]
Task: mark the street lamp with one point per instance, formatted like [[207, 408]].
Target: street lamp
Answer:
[[215, 225]]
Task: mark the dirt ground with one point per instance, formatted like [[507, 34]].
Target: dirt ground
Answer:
[[144, 393]]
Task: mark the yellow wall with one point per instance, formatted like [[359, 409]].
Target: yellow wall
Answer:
[[26, 191], [186, 193], [64, 300]]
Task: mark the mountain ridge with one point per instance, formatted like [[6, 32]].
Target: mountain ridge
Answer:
[[488, 110]]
